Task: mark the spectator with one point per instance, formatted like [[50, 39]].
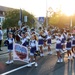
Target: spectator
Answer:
[[1, 37], [7, 31], [13, 31]]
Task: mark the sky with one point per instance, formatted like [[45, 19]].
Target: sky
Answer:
[[38, 7]]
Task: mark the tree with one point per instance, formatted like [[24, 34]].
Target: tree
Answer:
[[12, 17], [59, 19]]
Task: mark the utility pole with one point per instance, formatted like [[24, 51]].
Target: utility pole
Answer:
[[71, 23]]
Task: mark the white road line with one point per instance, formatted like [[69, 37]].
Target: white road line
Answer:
[[16, 69], [70, 66]]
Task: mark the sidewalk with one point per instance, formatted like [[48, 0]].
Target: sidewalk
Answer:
[[4, 50]]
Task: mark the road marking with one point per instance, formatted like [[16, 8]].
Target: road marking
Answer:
[[16, 69], [69, 66]]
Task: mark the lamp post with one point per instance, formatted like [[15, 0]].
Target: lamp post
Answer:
[[20, 23]]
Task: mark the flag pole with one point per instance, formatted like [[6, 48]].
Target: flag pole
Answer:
[[20, 18]]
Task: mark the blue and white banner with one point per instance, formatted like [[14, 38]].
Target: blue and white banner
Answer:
[[20, 53]]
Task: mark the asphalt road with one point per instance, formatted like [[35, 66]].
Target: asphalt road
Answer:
[[47, 65]]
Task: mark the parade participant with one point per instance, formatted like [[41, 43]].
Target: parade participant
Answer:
[[17, 32], [73, 45], [28, 38], [41, 42], [33, 48], [63, 42], [58, 47], [45, 33], [23, 38], [14, 30], [1, 37], [7, 32], [69, 46], [49, 42], [9, 41]]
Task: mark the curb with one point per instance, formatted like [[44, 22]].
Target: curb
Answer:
[[3, 53]]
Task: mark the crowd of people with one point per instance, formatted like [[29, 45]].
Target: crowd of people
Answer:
[[35, 41]]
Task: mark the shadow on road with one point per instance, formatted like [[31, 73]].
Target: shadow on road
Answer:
[[59, 69]]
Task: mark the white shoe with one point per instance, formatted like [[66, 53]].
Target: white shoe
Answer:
[[58, 60], [11, 61], [29, 65], [50, 52], [8, 62], [36, 64], [41, 54]]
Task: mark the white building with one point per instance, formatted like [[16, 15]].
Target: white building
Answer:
[[3, 9], [2, 18]]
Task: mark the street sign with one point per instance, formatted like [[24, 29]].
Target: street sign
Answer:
[[19, 23], [25, 18], [41, 20]]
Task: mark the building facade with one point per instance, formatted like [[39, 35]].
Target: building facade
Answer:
[[3, 9], [2, 17]]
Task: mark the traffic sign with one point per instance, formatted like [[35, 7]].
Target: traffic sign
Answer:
[[41, 19], [25, 18], [19, 23]]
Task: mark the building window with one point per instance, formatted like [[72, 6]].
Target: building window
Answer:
[[2, 19]]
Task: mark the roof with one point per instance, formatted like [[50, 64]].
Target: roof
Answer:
[[3, 8]]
